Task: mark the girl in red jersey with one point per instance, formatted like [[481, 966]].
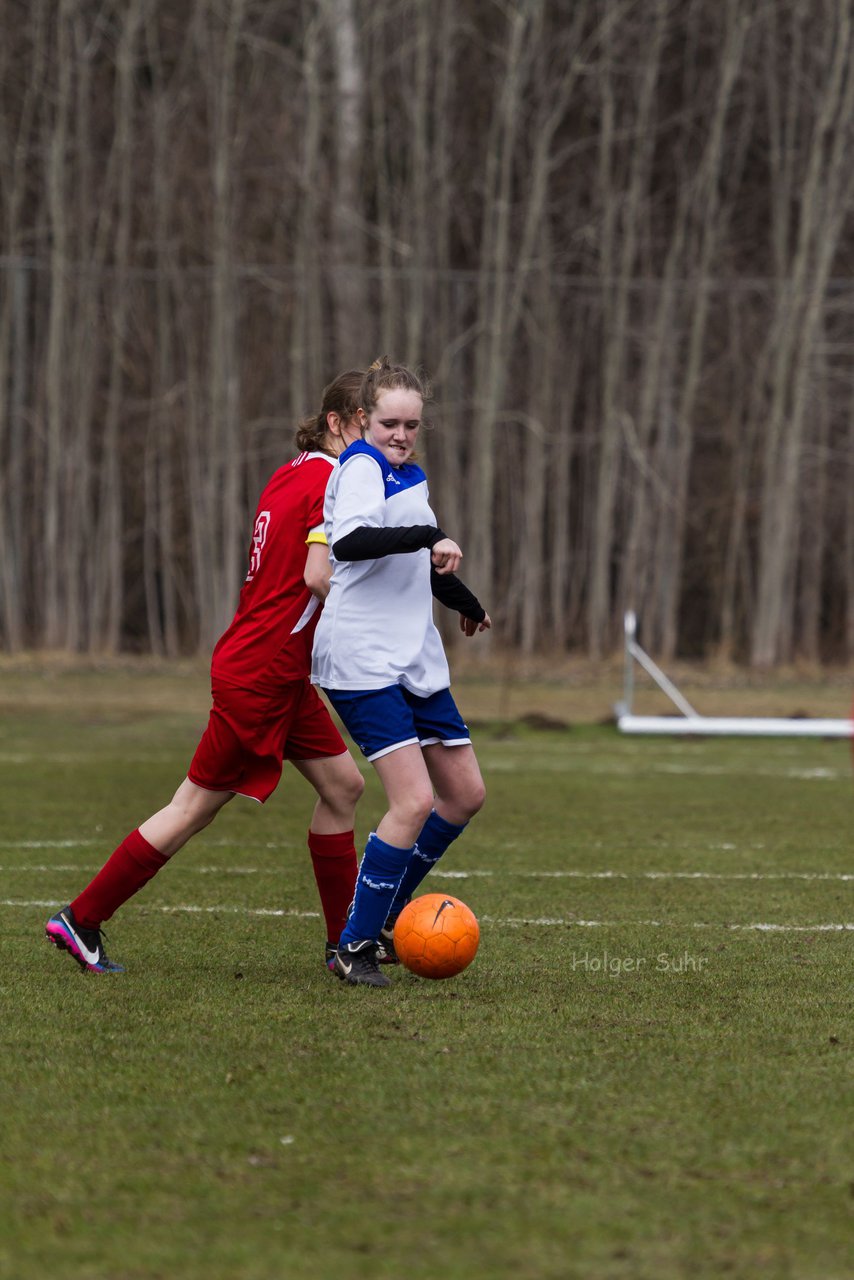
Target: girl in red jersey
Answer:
[[265, 710]]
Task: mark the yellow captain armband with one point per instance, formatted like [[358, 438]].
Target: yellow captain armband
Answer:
[[316, 535]]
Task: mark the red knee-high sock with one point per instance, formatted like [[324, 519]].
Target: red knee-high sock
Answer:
[[335, 867], [126, 870]]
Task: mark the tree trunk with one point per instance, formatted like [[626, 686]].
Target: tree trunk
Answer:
[[346, 247]]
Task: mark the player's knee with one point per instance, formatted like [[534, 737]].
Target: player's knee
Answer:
[[462, 802], [194, 813], [343, 790], [354, 788], [414, 809], [474, 798], [192, 820]]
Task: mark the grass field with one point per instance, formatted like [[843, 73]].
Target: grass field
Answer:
[[647, 1071]]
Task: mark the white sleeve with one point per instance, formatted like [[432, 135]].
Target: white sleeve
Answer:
[[359, 497]]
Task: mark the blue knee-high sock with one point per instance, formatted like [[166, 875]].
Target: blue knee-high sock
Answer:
[[380, 873], [433, 840]]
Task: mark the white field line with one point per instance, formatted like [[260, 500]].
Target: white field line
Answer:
[[244, 847], [643, 769], [835, 876], [636, 766], [101, 842], [513, 922], [45, 844], [653, 875]]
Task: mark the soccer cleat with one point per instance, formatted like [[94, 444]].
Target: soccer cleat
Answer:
[[356, 964], [331, 953], [83, 945], [386, 953]]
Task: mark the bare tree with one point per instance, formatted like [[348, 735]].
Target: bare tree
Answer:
[[345, 232], [54, 495], [824, 199], [621, 220], [16, 144], [617, 235], [107, 604]]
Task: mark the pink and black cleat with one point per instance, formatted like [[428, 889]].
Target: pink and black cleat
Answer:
[[83, 945]]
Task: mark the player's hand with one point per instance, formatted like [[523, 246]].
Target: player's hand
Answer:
[[469, 627], [446, 556]]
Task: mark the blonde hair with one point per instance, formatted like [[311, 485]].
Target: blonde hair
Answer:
[[382, 375]]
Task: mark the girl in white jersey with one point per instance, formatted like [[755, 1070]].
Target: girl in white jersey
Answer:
[[380, 660]]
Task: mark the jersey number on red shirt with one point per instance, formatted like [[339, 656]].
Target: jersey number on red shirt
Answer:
[[259, 537]]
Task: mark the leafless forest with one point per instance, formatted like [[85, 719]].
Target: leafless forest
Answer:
[[616, 233]]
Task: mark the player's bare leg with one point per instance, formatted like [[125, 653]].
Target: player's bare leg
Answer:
[[191, 809], [77, 927], [457, 782], [339, 786], [409, 791]]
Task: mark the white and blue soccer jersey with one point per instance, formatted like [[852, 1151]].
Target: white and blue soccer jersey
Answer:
[[377, 625]]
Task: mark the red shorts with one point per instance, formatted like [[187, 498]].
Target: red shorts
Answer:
[[250, 734]]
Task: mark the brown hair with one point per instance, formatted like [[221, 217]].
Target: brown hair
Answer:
[[385, 376], [341, 397]]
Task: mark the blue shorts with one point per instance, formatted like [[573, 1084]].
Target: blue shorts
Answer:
[[381, 720]]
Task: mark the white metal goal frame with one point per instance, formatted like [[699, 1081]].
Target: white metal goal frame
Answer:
[[690, 721]]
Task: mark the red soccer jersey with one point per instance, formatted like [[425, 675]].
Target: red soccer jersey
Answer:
[[270, 637]]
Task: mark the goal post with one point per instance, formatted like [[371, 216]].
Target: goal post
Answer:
[[690, 721]]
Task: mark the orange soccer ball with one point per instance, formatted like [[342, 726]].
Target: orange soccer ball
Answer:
[[436, 935]]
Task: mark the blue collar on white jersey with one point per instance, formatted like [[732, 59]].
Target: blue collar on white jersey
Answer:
[[395, 478]]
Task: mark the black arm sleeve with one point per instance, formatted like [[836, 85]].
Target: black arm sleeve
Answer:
[[371, 544], [453, 594]]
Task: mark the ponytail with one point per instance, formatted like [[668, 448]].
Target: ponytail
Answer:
[[341, 397]]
